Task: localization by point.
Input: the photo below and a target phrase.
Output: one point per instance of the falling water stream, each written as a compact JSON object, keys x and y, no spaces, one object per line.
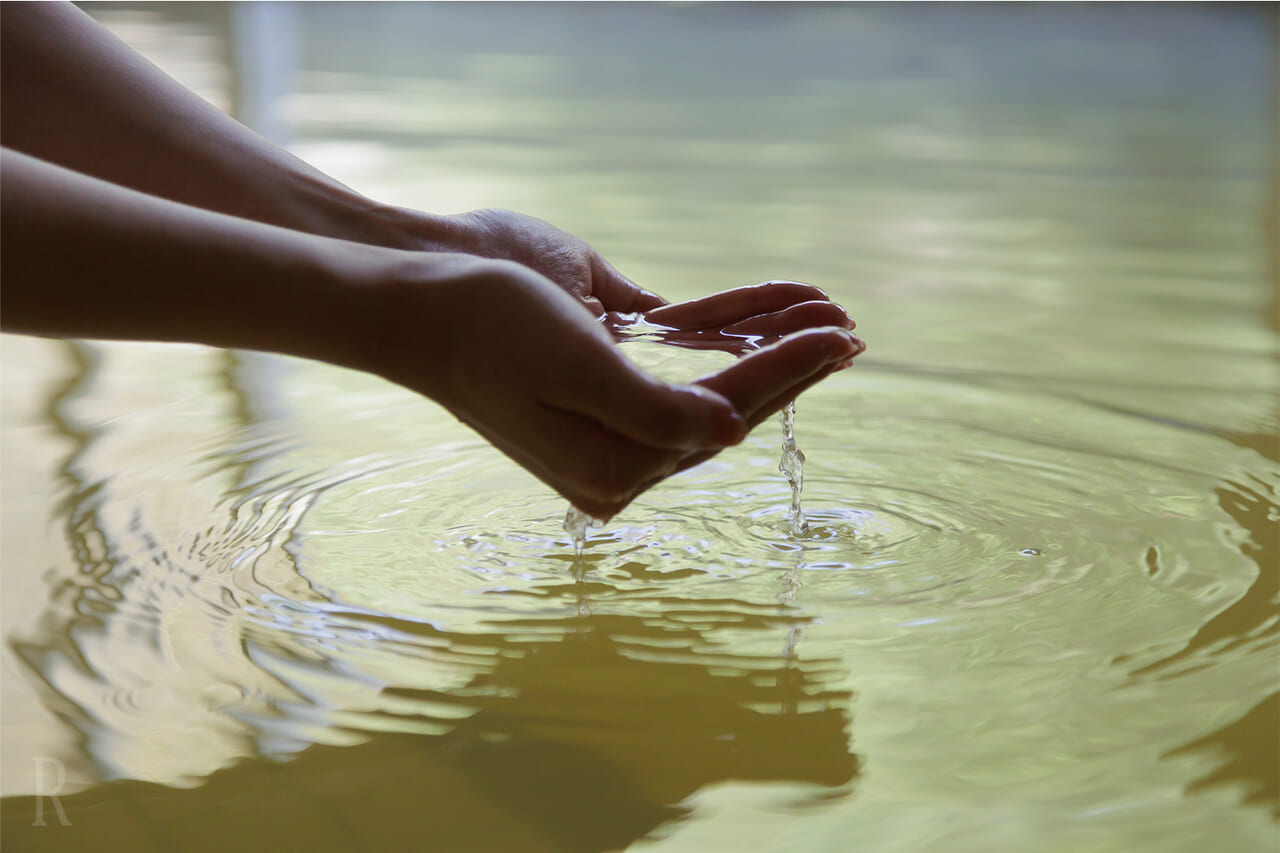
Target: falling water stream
{"x":791,"y":465}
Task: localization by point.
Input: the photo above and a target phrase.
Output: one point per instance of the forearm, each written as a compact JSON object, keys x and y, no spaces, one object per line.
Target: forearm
{"x":77,"y":96}
{"x":87,"y":258}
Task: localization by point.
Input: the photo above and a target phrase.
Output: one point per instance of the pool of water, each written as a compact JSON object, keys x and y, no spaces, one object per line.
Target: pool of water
{"x":259,"y":602}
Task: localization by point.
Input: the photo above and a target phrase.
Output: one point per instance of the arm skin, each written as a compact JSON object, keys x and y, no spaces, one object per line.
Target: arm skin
{"x":77,"y":96}
{"x":89,"y":258}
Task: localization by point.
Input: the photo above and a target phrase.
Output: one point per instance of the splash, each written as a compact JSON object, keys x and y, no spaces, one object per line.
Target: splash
{"x":576,"y":524}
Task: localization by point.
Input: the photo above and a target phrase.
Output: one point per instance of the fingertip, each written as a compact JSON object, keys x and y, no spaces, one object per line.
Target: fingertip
{"x":844,"y":342}
{"x":799,"y":287}
{"x":851,"y":346}
{"x":848,"y":362}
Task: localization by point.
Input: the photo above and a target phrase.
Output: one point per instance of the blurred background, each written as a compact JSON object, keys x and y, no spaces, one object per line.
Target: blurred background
{"x":255,"y":600}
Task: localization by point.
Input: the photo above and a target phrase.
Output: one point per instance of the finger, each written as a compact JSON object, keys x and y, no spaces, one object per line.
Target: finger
{"x":761,"y":413}
{"x":755,"y":382}
{"x":619,"y":395}
{"x":600,"y":471}
{"x":765,"y":410}
{"x":771,"y":407}
{"x":617,"y":292}
{"x":805,"y":315}
{"x":731,"y":306}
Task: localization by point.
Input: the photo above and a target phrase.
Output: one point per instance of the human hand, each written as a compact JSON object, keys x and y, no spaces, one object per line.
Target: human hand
{"x":513,"y":355}
{"x":733,"y":320}
{"x":558,"y":256}
{"x":737,"y":320}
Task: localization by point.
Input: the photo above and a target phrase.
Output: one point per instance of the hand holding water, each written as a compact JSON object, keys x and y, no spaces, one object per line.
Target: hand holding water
{"x":521,"y":363}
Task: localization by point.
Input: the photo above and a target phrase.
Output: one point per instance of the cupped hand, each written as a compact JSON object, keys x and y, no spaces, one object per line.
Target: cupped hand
{"x":515,"y":357}
{"x":734,"y":320}
{"x":738,"y":320}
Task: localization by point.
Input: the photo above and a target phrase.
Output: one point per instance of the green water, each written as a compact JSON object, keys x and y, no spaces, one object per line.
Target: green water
{"x":258,"y":602}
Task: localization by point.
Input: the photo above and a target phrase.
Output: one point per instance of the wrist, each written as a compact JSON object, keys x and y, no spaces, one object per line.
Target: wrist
{"x":488,"y":233}
{"x":415,"y":230}
{"x":403,"y":312}
{"x":333,"y":210}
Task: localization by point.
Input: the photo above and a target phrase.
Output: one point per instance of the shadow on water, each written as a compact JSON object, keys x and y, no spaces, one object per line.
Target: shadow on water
{"x":584,"y":741}
{"x":1251,"y":743}
{"x":585,"y":732}
{"x":1248,"y":747}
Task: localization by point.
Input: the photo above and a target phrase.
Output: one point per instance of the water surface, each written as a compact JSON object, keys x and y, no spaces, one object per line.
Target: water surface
{"x":257,"y":601}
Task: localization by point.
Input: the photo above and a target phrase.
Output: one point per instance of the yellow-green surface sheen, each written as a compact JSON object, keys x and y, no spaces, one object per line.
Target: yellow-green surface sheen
{"x":251,"y":602}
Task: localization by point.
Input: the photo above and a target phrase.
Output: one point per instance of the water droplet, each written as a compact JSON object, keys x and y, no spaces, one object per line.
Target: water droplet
{"x":576,"y":524}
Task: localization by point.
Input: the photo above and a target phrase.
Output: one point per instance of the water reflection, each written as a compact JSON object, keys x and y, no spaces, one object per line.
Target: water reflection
{"x":1042,"y":546}
{"x":586,"y":730}
{"x":1246,"y":749}
{"x":586,"y":741}
{"x":585,"y":733}
{"x":1255,"y":614}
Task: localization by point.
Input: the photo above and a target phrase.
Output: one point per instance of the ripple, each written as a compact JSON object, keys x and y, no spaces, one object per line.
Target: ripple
{"x":292,"y":592}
